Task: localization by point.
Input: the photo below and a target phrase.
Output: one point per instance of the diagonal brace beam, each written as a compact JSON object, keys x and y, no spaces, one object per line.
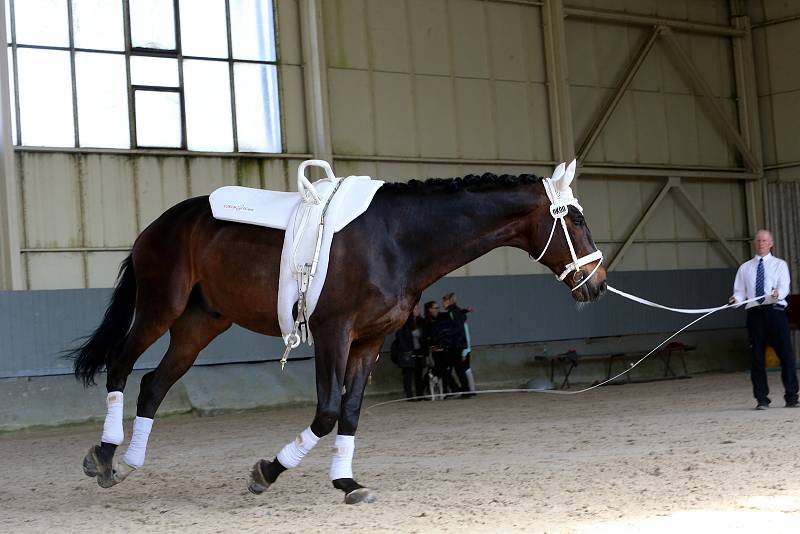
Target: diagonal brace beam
{"x":702,"y":86}
{"x":671,"y":182}
{"x":731,"y":255}
{"x":615,"y":99}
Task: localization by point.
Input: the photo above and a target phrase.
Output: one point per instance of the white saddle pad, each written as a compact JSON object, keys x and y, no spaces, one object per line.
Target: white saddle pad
{"x":272,"y":209}
{"x":276,"y":209}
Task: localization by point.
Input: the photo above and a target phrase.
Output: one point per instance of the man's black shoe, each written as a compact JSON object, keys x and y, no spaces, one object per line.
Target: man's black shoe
{"x":793,"y":404}
{"x":762,"y":407}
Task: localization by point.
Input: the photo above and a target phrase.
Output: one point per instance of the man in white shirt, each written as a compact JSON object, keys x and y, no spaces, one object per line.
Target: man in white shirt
{"x":768,"y":277}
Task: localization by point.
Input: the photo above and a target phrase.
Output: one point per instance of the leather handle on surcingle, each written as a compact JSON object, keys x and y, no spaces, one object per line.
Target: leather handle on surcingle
{"x":304,"y":186}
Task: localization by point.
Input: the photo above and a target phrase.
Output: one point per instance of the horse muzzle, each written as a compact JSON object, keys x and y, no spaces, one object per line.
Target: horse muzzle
{"x":590,"y":290}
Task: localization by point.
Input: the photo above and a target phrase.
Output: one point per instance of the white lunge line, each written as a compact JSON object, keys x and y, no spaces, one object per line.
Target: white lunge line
{"x":705,"y":311}
{"x":690,"y":311}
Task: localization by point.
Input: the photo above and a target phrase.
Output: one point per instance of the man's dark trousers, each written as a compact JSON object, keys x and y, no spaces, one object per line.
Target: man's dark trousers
{"x":767,"y":325}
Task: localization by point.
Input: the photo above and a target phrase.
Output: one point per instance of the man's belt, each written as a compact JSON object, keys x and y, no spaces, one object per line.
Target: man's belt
{"x":779,"y":307}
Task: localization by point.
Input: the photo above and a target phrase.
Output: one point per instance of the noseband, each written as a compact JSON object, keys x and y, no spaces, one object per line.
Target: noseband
{"x":558,"y":209}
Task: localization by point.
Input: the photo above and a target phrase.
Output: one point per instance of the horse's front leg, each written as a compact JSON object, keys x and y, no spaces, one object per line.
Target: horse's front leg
{"x":330,"y":358}
{"x":363,"y":356}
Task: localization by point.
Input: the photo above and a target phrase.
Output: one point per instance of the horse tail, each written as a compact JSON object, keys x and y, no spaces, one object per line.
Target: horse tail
{"x":100,"y":348}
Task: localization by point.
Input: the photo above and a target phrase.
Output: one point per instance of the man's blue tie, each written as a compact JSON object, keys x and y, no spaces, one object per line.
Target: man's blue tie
{"x":760,"y":280}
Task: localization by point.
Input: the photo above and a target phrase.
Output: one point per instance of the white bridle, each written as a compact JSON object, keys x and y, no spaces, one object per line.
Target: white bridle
{"x":561,"y":198}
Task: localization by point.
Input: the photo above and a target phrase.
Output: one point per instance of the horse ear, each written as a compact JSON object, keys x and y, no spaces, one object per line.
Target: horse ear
{"x":569,"y":176}
{"x":558,"y":173}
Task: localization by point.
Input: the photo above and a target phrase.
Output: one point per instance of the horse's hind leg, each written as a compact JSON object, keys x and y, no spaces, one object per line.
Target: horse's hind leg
{"x":190,"y":334}
{"x":363,"y":356}
{"x":154,"y":314}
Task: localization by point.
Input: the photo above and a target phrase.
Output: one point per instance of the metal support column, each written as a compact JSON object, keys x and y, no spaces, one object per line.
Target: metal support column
{"x":747,"y":103}
{"x":557,"y":81}
{"x":315,"y":79}
{"x":10,"y":258}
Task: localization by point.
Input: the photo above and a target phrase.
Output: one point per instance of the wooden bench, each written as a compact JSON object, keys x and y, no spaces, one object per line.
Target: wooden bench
{"x":568,"y":361}
{"x":665,"y":354}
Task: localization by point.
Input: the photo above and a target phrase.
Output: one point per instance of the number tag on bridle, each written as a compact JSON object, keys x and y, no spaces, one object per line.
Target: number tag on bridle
{"x":559,"y":210}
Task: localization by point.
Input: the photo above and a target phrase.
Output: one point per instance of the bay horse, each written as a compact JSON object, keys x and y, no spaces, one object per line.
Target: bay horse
{"x":194,"y":276}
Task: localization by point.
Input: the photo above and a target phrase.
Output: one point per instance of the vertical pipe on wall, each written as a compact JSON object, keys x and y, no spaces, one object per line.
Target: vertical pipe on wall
{"x":747,"y":105}
{"x":558,"y":90}
{"x":10,"y":258}
{"x":315,"y":79}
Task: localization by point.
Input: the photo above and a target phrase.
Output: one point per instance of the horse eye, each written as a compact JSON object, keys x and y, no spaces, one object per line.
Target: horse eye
{"x":578,"y":221}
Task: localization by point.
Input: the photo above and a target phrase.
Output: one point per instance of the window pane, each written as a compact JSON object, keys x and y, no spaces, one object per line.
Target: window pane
{"x":98,"y":24}
{"x":257,"y":114}
{"x":158,"y":71}
{"x":152,"y":24}
{"x":102,"y":100}
{"x":252,"y":30}
{"x":203,"y":30}
{"x":207,"y":92}
{"x":8,"y":21}
{"x":158,"y":119}
{"x":45,"y":97}
{"x":42,"y":22}
{"x":12,"y":97}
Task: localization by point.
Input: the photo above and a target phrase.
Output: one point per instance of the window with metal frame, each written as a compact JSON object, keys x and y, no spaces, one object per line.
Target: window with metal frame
{"x":198,"y":75}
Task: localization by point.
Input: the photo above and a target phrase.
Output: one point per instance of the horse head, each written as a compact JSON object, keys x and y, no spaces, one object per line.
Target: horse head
{"x":562,"y":237}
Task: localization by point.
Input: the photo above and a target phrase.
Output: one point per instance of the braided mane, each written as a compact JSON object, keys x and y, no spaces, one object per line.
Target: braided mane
{"x":470,"y":182}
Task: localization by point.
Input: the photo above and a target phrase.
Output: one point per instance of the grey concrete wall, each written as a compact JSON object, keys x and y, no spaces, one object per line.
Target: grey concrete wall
{"x":38,"y":325}
{"x":206,"y":390}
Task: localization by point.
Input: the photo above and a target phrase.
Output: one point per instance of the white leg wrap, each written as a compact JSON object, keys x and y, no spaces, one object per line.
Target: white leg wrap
{"x":134,"y":456}
{"x":342,"y":463}
{"x":112,"y":428}
{"x":293,"y":453}
{"x":470,"y":379}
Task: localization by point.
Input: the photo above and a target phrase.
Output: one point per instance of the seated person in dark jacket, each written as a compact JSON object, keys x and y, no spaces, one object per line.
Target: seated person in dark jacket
{"x":440,"y":333}
{"x":408,"y":353}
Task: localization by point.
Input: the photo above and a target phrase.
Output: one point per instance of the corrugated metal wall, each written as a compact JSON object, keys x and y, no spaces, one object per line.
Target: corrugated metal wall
{"x":423,"y":88}
{"x":82,"y":212}
{"x":783,"y":218}
{"x":775,"y":29}
{"x":462,"y":79}
{"x":420,"y":88}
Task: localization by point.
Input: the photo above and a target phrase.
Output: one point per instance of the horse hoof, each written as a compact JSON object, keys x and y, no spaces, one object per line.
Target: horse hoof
{"x":118,"y":474}
{"x":122,"y":470}
{"x":90,"y":464}
{"x":365,"y":495}
{"x":258,"y":482}
{"x":106,"y":482}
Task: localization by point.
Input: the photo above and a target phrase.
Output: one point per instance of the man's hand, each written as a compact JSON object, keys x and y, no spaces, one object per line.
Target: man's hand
{"x":732,"y":300}
{"x":775,"y":293}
